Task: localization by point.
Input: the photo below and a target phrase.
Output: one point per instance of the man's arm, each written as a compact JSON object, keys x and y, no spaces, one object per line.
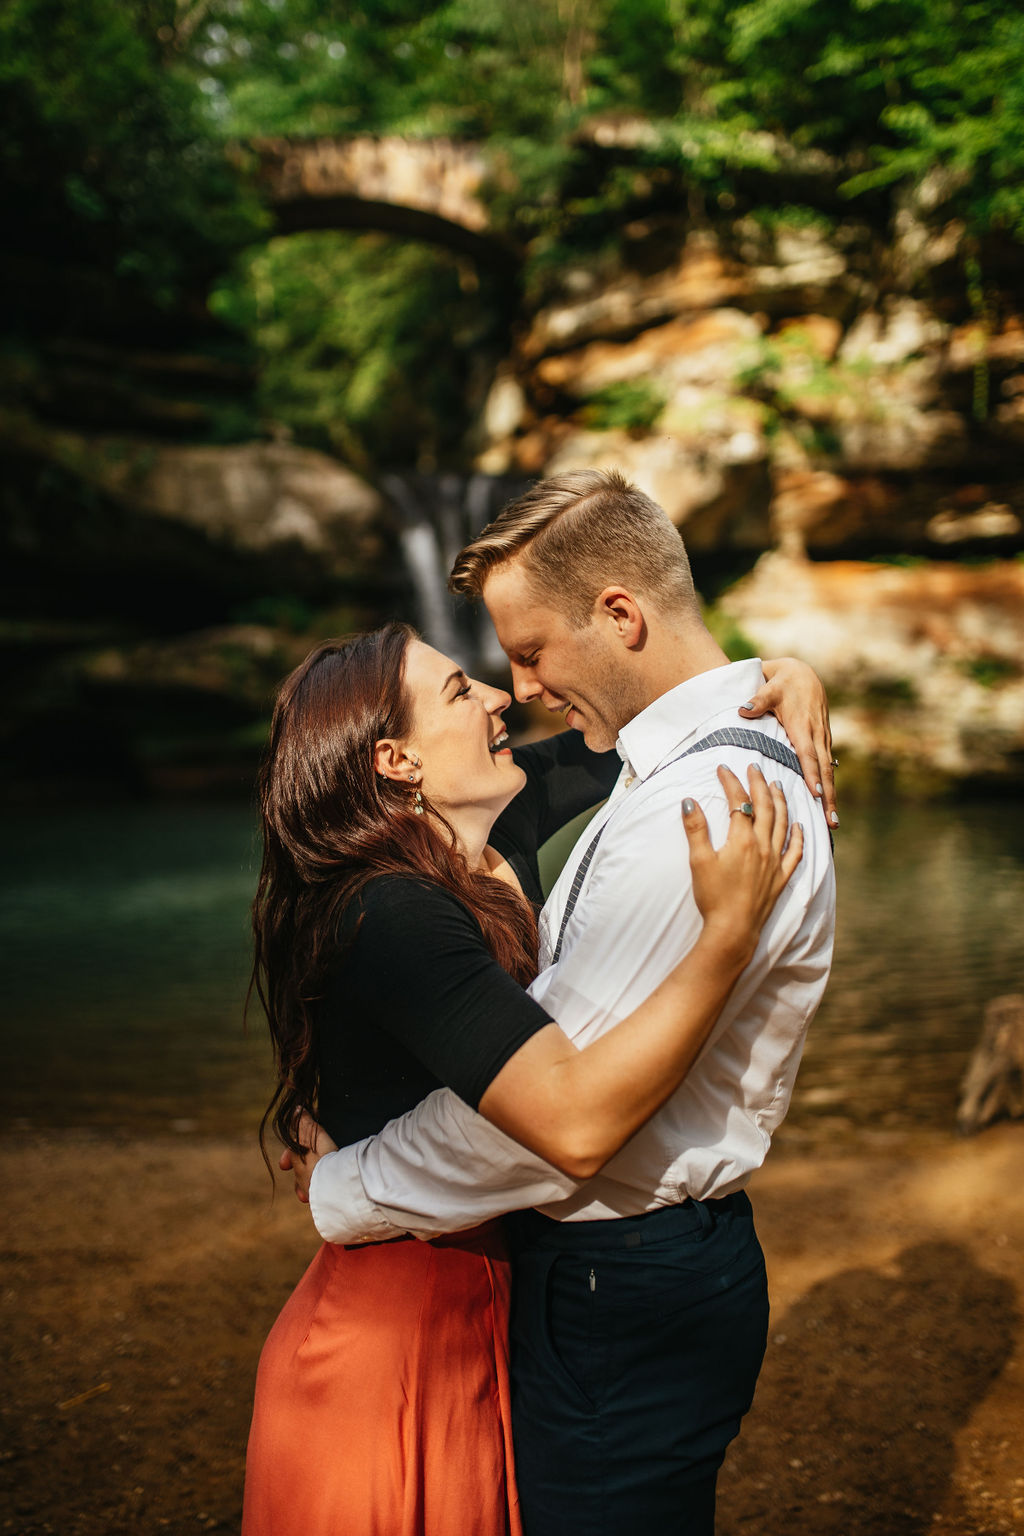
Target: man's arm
{"x":441,"y":1167}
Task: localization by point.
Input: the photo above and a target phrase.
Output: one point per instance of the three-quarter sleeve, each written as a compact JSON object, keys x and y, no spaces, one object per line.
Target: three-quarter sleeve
{"x":418,"y":972}
{"x":563,"y":779}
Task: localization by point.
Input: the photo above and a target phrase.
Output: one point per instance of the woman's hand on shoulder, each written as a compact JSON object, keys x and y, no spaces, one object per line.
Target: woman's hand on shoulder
{"x":795,"y":694}
{"x":736,"y":886}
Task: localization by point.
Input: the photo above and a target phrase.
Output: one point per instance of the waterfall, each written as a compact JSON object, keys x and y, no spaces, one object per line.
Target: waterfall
{"x":437,"y":515}
{"x":424,"y":561}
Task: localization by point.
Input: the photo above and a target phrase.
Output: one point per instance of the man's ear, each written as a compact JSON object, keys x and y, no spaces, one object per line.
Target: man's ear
{"x":392,"y":761}
{"x":618,"y":607}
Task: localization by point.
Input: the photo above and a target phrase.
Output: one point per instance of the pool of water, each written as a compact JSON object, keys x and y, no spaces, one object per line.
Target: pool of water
{"x":126,"y":937}
{"x":930,"y":927}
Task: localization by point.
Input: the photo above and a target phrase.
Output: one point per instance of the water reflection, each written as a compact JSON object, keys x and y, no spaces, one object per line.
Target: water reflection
{"x":929,"y":928}
{"x":126,"y":931}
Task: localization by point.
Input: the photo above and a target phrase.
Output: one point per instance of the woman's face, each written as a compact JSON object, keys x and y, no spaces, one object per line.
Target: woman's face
{"x":459,"y":735}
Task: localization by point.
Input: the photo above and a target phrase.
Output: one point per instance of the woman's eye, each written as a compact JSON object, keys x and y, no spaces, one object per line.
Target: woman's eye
{"x":460,"y":693}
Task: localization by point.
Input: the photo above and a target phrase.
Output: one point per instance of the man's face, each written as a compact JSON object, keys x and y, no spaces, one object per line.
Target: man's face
{"x":579,"y":673}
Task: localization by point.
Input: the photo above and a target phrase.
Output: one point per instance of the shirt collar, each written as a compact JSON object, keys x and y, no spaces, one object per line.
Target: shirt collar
{"x":678,"y":715}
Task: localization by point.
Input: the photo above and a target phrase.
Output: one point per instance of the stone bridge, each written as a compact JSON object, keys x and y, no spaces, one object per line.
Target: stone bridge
{"x":422,"y":189}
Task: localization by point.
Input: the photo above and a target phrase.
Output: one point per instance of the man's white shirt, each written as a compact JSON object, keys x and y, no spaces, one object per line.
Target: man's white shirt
{"x":442,"y":1168}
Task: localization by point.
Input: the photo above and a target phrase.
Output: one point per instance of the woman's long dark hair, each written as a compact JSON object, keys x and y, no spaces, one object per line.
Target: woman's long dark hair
{"x":330,"y":824}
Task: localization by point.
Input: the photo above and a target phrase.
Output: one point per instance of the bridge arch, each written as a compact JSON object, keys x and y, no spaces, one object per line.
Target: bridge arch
{"x":420,"y":189}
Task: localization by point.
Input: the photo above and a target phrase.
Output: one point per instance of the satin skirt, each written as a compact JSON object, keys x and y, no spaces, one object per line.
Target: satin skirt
{"x":382,"y":1398}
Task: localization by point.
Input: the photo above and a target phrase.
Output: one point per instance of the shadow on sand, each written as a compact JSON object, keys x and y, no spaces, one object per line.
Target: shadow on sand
{"x":868,"y":1379}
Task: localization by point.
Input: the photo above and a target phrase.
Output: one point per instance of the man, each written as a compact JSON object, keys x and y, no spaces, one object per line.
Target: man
{"x":641,"y":1305}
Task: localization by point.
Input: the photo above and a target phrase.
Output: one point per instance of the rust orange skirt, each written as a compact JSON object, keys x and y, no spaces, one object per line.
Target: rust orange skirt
{"x":382,"y":1398}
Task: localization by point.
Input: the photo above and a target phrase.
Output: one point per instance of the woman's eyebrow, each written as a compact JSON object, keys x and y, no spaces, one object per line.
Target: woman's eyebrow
{"x":452,"y":677}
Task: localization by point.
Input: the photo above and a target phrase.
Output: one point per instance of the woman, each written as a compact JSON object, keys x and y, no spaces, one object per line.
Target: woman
{"x":394,"y":938}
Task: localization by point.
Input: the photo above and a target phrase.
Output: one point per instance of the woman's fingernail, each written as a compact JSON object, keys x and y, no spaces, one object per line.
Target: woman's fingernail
{"x":687,"y":807}
{"x":750,"y":704}
{"x":776,"y":783}
{"x":818,"y":790}
{"x":834,"y":818}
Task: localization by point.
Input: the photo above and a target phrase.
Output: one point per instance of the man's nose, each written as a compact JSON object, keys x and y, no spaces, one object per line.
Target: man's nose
{"x":524,"y":684}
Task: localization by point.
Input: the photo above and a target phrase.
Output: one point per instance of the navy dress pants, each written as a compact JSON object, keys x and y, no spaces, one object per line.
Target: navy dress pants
{"x":636,"y":1345}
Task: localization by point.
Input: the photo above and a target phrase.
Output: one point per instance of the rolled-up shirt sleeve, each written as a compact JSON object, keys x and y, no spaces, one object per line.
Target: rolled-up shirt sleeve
{"x":439,"y":1168}
{"x":419,"y":973}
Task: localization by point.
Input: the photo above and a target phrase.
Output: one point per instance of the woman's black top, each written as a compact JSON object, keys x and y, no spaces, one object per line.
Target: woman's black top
{"x":416,"y":1000}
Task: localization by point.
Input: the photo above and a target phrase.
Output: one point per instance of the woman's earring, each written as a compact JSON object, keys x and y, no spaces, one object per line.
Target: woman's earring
{"x":417,"y":799}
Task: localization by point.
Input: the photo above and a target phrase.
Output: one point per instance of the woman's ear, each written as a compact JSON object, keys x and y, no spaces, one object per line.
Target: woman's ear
{"x":392,"y":761}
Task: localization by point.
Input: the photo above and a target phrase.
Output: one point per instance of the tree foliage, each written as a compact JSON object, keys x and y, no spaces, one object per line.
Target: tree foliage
{"x":892,"y":92}
{"x":596,"y":111}
{"x":107,"y":156}
{"x":369,"y":346}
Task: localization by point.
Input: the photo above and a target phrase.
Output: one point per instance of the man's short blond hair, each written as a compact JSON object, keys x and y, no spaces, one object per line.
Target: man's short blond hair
{"x":578,"y":533}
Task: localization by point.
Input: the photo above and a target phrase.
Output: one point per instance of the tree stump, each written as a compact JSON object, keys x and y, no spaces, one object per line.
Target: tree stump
{"x":993,"y":1085}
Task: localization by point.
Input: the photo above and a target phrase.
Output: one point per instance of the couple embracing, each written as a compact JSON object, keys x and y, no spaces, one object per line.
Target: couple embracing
{"x":611,"y":1073}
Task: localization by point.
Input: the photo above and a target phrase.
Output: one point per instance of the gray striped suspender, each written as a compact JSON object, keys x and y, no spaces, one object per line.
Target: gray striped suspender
{"x":728,"y":736}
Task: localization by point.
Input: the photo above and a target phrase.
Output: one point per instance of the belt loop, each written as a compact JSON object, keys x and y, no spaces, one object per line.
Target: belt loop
{"x":705,"y":1215}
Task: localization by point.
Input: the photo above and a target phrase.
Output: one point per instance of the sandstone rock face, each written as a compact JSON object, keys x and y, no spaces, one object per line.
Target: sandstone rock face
{"x":827,"y":514}
{"x":260,"y":516}
{"x":903,"y":328}
{"x":924,"y":662}
{"x":260,"y":497}
{"x":698,"y":351}
{"x":594,"y":307}
{"x":718,"y":499}
{"x":802,"y":261}
{"x":801,"y":391}
{"x":785,"y":364}
{"x":504,"y":408}
{"x":239,"y":663}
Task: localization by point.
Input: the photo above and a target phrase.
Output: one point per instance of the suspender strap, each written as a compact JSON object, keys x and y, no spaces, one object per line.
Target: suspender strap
{"x":755,"y":741}
{"x":728,"y":736}
{"x":574,"y":890}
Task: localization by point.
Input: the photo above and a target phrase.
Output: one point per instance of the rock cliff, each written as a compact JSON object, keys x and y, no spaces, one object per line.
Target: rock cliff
{"x":809,"y":398}
{"x":923,"y":662}
{"x":828,"y":418}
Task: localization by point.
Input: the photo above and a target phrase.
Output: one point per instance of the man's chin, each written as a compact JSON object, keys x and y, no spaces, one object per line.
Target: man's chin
{"x":595,"y":736}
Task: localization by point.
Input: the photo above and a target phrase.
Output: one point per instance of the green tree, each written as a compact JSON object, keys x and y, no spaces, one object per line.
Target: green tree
{"x":595,"y":112}
{"x":107,"y":156}
{"x":367,"y":346}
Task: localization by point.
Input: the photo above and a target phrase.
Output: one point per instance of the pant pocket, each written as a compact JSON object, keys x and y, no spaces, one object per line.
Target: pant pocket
{"x":555,"y":1326}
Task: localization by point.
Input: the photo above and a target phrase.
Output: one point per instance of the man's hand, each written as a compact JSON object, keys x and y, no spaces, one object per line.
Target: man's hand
{"x":307,"y":1134}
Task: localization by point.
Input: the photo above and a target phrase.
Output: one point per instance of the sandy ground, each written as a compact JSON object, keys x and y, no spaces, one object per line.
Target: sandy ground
{"x":138,"y":1282}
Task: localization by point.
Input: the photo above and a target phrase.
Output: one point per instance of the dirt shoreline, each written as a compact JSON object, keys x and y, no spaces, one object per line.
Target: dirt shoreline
{"x":139,"y":1280}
